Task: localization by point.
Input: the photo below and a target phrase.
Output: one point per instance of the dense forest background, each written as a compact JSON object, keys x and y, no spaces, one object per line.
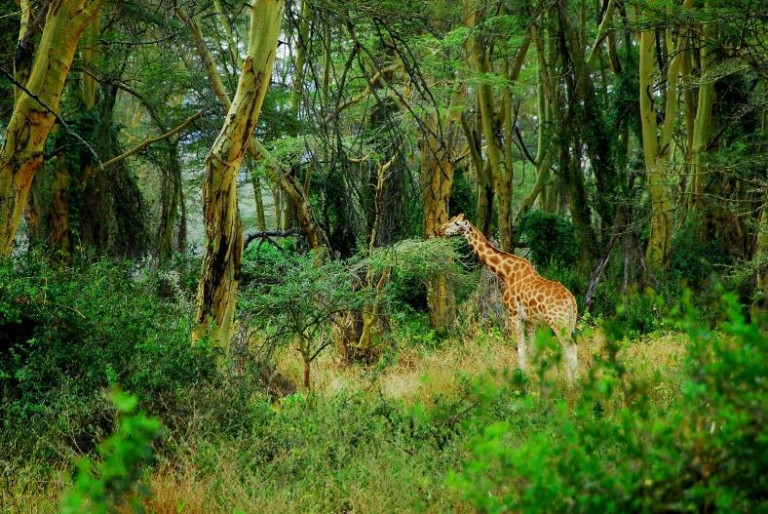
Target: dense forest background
{"x":220,"y":285}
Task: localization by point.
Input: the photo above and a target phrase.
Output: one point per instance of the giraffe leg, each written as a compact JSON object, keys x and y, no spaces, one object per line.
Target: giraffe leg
{"x":569,"y":353}
{"x":516,"y":330}
{"x":530,"y":335}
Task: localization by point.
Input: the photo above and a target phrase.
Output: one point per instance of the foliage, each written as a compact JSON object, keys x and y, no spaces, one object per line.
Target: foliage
{"x":66,"y":335}
{"x":296,"y":299}
{"x":102,"y":486}
{"x":414,"y":262}
{"x":694,"y":262}
{"x":550,"y":238}
{"x":462,"y":196}
{"x":705,"y":451}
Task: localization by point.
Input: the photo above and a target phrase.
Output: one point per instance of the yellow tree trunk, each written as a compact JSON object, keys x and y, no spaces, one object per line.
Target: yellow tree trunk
{"x":436,"y":182}
{"x":500,"y":159}
{"x":217,"y":291}
{"x":292,"y":190}
{"x":702,"y":123}
{"x":656,"y":148}
{"x":502,"y":182}
{"x":22,"y":152}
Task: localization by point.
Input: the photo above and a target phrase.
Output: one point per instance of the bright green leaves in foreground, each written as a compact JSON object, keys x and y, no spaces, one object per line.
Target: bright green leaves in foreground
{"x":706,"y":451}
{"x":102,"y":485}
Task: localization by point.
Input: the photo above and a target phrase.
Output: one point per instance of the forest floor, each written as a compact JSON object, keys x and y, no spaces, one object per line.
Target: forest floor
{"x":334,"y":450}
{"x":391,"y":477}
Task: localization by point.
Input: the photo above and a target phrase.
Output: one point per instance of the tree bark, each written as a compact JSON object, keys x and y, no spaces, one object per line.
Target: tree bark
{"x":502,"y":182}
{"x":656,"y":149}
{"x":702,"y":123}
{"x":22,"y":152}
{"x":220,"y":275}
{"x":436,"y":182}
{"x":293,"y":189}
{"x":761,"y":258}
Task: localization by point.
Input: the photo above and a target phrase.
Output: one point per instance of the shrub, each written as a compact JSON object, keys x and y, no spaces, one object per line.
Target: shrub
{"x":297,"y":301}
{"x":692,"y":261}
{"x":550,"y":238}
{"x":103,"y":485}
{"x":66,"y":335}
{"x":705,"y":452}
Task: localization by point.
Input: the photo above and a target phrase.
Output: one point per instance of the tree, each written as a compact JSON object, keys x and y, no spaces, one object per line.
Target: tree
{"x":656,"y":147}
{"x":35,"y":111}
{"x":220,"y":275}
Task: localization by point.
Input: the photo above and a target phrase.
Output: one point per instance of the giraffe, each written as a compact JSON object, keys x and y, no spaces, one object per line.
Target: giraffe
{"x":530,"y":299}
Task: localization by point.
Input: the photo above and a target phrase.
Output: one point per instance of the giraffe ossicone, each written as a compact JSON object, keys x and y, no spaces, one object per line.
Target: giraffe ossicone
{"x":531,"y":300}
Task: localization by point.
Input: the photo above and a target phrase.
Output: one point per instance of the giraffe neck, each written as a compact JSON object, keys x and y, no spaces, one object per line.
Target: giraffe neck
{"x":501,"y":263}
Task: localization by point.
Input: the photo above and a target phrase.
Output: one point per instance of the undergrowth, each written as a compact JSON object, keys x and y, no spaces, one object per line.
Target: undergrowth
{"x":439,"y":424}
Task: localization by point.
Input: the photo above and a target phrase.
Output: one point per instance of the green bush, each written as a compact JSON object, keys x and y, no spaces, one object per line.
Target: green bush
{"x":102,"y":486}
{"x":550,"y":238}
{"x":694,"y":262}
{"x":706,"y":452}
{"x":66,"y":335}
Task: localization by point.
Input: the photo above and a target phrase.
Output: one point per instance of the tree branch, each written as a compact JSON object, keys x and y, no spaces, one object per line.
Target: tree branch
{"x":58,"y":118}
{"x":265,"y":234}
{"x":153,"y":140}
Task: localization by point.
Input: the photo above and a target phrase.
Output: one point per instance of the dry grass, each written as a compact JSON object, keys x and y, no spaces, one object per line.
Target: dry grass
{"x":417,"y":376}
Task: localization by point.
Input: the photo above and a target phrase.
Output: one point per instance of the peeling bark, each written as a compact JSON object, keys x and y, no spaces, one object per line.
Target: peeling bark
{"x":22,"y":152}
{"x":220,"y":275}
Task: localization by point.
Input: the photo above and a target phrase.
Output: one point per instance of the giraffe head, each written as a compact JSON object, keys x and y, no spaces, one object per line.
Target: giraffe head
{"x":454,"y":227}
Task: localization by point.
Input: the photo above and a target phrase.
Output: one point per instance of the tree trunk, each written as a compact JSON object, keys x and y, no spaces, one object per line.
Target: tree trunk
{"x":761,"y":258}
{"x":170,"y":201}
{"x":293,"y":189}
{"x":220,"y":273}
{"x":500,"y":175}
{"x":484,"y":186}
{"x":656,"y":149}
{"x":436,"y":182}
{"x":588,"y":119}
{"x":702,"y":124}
{"x":261,"y":217}
{"x":22,"y":152}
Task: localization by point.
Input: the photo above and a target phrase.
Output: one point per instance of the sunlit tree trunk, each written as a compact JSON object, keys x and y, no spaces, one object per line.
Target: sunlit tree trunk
{"x":292,"y":189}
{"x":220,"y":273}
{"x":656,"y":148}
{"x":436,"y":181}
{"x":22,"y":152}
{"x":702,"y":123}
{"x":22,"y":61}
{"x":500,"y":175}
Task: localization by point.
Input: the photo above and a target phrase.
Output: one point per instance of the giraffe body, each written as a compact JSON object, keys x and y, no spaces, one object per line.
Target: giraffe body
{"x":531,"y":300}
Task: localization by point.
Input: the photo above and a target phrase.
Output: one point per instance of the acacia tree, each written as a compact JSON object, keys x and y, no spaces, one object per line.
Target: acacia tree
{"x":276,"y":171}
{"x":656,"y":147}
{"x":217,"y":291}
{"x":35,"y":111}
